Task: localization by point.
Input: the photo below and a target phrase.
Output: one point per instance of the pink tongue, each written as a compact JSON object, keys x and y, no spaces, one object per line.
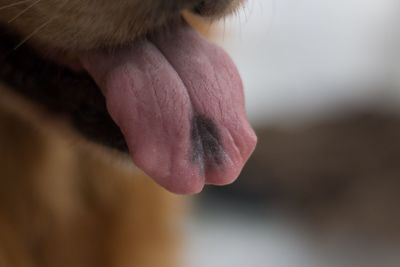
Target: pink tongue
{"x":179,"y":103}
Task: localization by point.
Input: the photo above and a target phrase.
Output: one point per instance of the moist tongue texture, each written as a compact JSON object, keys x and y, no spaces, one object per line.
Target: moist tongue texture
{"x":179,"y":103}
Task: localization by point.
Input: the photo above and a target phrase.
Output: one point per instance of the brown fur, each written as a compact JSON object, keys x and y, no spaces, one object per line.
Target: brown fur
{"x":63,"y":205}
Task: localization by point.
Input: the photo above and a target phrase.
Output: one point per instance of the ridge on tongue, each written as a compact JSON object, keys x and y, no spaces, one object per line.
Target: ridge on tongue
{"x":179,"y":103}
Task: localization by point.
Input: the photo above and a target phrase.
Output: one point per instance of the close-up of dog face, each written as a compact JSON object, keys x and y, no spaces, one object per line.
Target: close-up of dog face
{"x":172,"y":99}
{"x":116,"y":114}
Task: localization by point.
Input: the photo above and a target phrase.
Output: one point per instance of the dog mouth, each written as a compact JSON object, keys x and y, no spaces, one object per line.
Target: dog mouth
{"x":178,"y":102}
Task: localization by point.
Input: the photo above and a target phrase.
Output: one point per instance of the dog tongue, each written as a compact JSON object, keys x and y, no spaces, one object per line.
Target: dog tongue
{"x":179,"y":103}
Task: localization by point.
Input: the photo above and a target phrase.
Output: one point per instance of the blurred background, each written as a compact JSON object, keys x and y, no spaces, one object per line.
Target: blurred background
{"x":323,"y":93}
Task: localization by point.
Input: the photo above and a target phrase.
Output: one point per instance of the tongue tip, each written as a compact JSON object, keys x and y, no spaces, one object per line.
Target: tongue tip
{"x":192,"y":187}
{"x":185,"y":177}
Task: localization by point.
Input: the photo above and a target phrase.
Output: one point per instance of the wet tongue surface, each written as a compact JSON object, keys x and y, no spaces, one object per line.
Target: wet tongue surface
{"x":179,"y":103}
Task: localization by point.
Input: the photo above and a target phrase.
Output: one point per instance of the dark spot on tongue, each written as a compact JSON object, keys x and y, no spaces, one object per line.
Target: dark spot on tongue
{"x":207,"y":147}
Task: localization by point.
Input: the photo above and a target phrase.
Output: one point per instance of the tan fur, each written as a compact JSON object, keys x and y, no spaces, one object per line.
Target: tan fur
{"x":62,"y":201}
{"x":63,"y":205}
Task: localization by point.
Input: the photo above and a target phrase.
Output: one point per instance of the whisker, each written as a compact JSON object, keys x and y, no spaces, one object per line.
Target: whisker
{"x":14,"y":4}
{"x":38,"y":29}
{"x":41,"y":27}
{"x":23,"y":11}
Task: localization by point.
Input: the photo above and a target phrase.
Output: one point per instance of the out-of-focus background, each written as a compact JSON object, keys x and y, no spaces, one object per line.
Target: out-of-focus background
{"x":323,"y":187}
